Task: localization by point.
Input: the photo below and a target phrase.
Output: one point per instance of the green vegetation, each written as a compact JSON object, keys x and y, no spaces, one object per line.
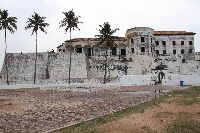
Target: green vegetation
{"x":147,"y":129}
{"x":184,"y":126}
{"x":162,"y":114}
{"x":187,"y":97}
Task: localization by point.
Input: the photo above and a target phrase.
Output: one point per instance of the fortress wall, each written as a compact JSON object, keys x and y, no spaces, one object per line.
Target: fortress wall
{"x":187,"y":68}
{"x":115,"y":68}
{"x":51,"y":67}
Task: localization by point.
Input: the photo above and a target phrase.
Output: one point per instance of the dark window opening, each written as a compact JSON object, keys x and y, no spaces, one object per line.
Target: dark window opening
{"x":142,"y":39}
{"x":174,"y":51}
{"x":79,"y":50}
{"x":183,"y":60}
{"x":114,"y":51}
{"x":190,"y":43}
{"x":60,"y":50}
{"x":174,"y":42}
{"x":164,"y":52}
{"x":157,"y":51}
{"x":157,"y":43}
{"x":190,"y":50}
{"x":164,"y":43}
{"x":142,"y":49}
{"x":182,"y":51}
{"x":63,"y":50}
{"x":89,"y":51}
{"x":151,"y":40}
{"x":123,"y":51}
{"x":131,"y":40}
{"x":132,"y":49}
{"x":182,"y":42}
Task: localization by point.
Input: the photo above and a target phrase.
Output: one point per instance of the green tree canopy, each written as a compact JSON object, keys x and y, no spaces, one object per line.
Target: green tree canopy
{"x":70,"y":21}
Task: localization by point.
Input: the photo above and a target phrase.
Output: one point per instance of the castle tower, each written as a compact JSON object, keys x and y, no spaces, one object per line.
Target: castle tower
{"x":140,"y":42}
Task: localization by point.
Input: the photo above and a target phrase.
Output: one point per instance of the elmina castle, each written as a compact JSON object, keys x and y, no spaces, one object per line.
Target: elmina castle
{"x":142,"y":57}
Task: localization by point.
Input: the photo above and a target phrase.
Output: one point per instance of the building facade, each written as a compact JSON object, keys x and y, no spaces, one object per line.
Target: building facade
{"x":143,"y":52}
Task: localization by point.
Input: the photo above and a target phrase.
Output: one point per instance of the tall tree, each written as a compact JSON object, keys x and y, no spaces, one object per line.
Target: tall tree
{"x":70,"y":21}
{"x":9,"y":23}
{"x":106,"y":39}
{"x":36,"y":22}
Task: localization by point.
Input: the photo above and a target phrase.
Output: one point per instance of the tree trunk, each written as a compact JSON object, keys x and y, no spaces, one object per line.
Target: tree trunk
{"x":70,"y":59}
{"x":6,"y":60}
{"x":104,"y":78}
{"x":35,"y":59}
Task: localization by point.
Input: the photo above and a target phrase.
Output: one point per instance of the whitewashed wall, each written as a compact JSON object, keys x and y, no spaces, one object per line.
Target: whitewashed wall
{"x":137,"y":80}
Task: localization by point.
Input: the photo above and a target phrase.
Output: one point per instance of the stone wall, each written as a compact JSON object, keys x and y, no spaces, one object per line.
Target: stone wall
{"x":51,"y":67}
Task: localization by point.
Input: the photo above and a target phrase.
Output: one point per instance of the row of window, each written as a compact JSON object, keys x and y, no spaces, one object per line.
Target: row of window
{"x":173,"y":42}
{"x":174,"y":51}
{"x":163,"y":42}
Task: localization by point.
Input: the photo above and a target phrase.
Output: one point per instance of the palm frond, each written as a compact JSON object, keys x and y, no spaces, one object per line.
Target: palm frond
{"x":70,"y":21}
{"x":36,"y":22}
{"x":7,"y":22}
{"x":106,"y":35}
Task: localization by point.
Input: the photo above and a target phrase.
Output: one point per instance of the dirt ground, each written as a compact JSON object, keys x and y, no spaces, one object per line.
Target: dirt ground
{"x":42,"y":110}
{"x":156,"y":118}
{"x":34,"y":110}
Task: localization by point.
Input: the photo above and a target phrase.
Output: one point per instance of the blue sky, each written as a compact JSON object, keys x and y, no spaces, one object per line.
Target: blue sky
{"x":124,"y":14}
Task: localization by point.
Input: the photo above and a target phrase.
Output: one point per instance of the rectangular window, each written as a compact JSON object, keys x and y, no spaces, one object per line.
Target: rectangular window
{"x":164,"y":52}
{"x":142,"y":49}
{"x":174,"y":42}
{"x":79,"y":50}
{"x":182,"y":42}
{"x":183,"y":60}
{"x":164,"y":43}
{"x":60,"y":50}
{"x":63,"y":50}
{"x":157,"y":51}
{"x":174,"y":51}
{"x":151,"y":40}
{"x":157,"y":43}
{"x":142,"y":39}
{"x":132,"y":40}
{"x":132,"y":49}
{"x":182,"y":51}
{"x":190,"y":43}
{"x":123,"y":51}
{"x":190,"y":50}
{"x":114,"y":51}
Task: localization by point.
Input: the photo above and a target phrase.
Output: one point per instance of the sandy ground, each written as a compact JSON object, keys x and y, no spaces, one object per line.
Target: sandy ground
{"x":157,"y":118}
{"x":34,"y":110}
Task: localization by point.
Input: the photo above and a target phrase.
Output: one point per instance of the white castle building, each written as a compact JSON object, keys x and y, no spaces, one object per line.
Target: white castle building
{"x":142,"y":57}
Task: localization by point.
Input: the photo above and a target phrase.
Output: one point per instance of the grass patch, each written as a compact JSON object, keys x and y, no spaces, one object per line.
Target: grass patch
{"x":184,"y":126}
{"x":188,"y":97}
{"x":184,"y":115}
{"x":198,"y":113}
{"x":148,"y":129}
{"x":162,"y":114}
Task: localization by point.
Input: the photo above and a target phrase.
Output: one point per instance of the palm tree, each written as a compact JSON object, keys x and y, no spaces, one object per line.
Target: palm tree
{"x":9,"y":23}
{"x":36,"y":22}
{"x":107,"y":40}
{"x":70,"y":22}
